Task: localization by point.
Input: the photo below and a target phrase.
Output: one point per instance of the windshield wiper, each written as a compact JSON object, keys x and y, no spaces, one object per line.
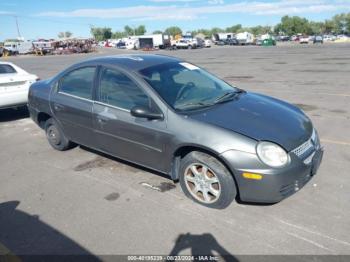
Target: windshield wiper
{"x":194,"y":105}
{"x":227,"y":96}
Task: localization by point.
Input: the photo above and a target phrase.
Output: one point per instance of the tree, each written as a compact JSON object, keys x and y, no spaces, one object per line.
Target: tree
{"x":157,"y":32}
{"x":293,"y":25}
{"x":233,"y":29}
{"x":129,"y":30}
{"x":101,"y":33}
{"x":341,"y":23}
{"x":140,"y":30}
{"x":118,"y":35}
{"x":173,"y":31}
{"x":66,"y":34}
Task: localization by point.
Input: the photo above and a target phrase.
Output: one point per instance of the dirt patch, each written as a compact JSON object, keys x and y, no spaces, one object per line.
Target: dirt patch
{"x":306,"y":107}
{"x":162,"y":187}
{"x":95,"y":163}
{"x":332,"y":58}
{"x":112,"y":196}
{"x":166,"y":186}
{"x":339,"y":111}
{"x":235,"y":78}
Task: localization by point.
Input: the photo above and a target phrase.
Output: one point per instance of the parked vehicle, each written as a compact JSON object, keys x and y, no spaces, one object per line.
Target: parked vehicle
{"x":120,"y":45}
{"x":231,"y":41}
{"x":132,"y":43}
{"x":161,"y":112}
{"x":19,"y":47}
{"x":245,"y":38}
{"x":328,"y":38}
{"x":318,"y":39}
{"x":44,"y":46}
{"x":207,"y":43}
{"x":184,"y":44}
{"x":222,"y":36}
{"x":14,"y":85}
{"x":304,"y":40}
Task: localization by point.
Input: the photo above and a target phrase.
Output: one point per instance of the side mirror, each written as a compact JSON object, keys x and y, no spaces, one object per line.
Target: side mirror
{"x":145,"y":112}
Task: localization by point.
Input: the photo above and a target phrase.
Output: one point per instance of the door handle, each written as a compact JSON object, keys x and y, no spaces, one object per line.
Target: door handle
{"x":58,"y":107}
{"x":102,"y":119}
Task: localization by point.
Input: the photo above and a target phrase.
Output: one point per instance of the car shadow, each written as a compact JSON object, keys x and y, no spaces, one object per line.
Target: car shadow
{"x":24,"y":237}
{"x":124,"y":162}
{"x":13,"y":114}
{"x":201,"y":246}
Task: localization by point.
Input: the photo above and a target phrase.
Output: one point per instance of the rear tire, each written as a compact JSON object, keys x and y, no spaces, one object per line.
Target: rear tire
{"x":205,"y":180}
{"x":56,"y":137}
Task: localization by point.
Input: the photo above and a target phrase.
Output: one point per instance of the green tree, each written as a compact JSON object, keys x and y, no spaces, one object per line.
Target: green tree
{"x":118,"y":35}
{"x":129,"y":30}
{"x":66,"y":34}
{"x":233,"y":29}
{"x":293,"y":25}
{"x":140,"y":30}
{"x":341,"y":23}
{"x":157,"y":32}
{"x":173,"y":31}
{"x":101,"y":33}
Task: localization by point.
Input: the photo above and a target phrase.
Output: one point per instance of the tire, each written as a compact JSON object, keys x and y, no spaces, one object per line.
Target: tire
{"x":218,"y":183}
{"x":56,"y":137}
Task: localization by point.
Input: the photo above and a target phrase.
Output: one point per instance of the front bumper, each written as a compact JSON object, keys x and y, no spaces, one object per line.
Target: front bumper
{"x":276,"y":183}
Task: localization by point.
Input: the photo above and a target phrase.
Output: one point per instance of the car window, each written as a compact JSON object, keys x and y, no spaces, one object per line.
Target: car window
{"x":78,"y":82}
{"x":118,"y":90}
{"x":7,"y":69}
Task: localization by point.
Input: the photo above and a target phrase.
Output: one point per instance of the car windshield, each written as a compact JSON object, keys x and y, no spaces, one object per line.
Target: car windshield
{"x":185,"y":86}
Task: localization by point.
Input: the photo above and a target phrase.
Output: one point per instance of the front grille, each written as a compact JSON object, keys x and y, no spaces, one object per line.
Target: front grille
{"x":15,"y":83}
{"x":306,"y":150}
{"x":303,"y":148}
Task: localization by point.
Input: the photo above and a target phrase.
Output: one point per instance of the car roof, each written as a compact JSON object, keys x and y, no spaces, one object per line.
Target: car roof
{"x":5,"y":63}
{"x":134,"y":62}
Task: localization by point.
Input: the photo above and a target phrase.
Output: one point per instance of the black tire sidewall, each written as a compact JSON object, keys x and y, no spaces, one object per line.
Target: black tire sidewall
{"x":64,"y":143}
{"x":227,"y":183}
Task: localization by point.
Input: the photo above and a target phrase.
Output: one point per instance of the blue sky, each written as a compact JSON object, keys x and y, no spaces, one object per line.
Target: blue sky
{"x":45,"y":18}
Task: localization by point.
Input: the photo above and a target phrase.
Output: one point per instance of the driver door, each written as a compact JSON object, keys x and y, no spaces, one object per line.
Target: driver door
{"x":138,"y":140}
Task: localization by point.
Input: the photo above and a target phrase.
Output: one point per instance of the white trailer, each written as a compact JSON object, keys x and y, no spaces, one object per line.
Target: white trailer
{"x":245,"y":38}
{"x":222,"y":36}
{"x":19,"y":47}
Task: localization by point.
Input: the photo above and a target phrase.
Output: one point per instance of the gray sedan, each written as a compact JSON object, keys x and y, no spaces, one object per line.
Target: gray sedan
{"x":163,"y":113}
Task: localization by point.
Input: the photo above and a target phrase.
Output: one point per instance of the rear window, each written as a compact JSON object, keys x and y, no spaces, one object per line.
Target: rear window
{"x":7,"y":69}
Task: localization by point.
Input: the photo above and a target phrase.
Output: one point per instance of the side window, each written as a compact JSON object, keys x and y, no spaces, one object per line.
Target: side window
{"x":118,"y":90}
{"x":78,"y":82}
{"x":7,"y":69}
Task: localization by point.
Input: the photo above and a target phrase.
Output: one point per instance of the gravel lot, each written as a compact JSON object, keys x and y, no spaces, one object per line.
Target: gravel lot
{"x":81,"y":202}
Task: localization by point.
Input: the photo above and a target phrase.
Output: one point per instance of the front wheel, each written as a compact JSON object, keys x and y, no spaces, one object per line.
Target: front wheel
{"x":204,"y":179}
{"x":56,"y":137}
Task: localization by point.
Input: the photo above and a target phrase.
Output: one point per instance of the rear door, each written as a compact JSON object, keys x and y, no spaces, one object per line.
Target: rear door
{"x":119,"y":133}
{"x":71,"y":104}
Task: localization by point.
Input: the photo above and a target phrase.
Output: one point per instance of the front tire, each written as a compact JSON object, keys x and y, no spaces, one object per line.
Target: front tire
{"x":56,"y":137}
{"x":205,"y":180}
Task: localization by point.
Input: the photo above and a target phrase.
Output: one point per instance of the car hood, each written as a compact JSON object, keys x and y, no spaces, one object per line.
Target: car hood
{"x":261,"y":118}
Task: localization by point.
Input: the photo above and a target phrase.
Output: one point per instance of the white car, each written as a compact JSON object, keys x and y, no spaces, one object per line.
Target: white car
{"x":14,"y":85}
{"x":207,"y":43}
{"x":304,"y":40}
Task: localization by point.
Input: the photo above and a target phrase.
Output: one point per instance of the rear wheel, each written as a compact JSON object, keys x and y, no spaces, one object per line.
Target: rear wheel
{"x":204,"y":179}
{"x":56,"y":137}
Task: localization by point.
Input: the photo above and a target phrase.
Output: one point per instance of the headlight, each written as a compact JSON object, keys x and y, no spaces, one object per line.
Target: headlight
{"x":272,"y":154}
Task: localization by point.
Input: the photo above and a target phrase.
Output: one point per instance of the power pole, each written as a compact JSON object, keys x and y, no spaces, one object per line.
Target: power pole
{"x":18,"y":32}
